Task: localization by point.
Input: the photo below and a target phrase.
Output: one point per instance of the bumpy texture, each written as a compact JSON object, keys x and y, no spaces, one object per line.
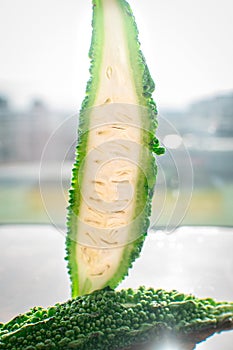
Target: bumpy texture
{"x":111,"y":320}
{"x":144,"y":86}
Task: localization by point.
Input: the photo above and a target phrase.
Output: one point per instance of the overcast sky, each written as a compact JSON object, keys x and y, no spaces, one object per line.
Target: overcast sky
{"x":44,"y":47}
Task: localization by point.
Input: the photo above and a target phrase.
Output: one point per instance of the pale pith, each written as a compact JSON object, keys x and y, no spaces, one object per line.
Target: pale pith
{"x":111,"y":164}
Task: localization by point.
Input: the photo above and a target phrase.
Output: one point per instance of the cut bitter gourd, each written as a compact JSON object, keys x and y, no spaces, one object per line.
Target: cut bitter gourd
{"x":114,"y":173}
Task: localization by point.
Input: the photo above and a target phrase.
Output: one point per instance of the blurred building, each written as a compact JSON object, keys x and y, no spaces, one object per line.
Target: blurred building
{"x":207,"y":117}
{"x":25,"y":133}
{"x":206,"y":128}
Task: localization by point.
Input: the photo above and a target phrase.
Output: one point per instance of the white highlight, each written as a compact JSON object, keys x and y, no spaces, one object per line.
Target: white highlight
{"x":172,"y":141}
{"x":167,"y":346}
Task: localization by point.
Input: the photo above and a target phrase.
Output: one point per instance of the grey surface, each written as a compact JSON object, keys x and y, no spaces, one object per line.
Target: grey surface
{"x":32,"y":269}
{"x":193,"y":260}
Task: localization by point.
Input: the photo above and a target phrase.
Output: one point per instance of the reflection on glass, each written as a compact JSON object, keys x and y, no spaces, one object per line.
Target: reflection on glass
{"x":38,"y":145}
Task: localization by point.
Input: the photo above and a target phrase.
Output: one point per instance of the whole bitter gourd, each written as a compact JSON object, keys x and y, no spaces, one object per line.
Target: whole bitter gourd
{"x":108,"y":319}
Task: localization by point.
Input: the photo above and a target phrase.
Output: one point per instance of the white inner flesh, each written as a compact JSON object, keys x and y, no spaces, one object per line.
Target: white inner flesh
{"x":111,"y":165}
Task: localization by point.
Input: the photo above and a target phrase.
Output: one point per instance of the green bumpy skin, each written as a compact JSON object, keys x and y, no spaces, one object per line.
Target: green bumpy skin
{"x":112,"y":320}
{"x":107,"y":224}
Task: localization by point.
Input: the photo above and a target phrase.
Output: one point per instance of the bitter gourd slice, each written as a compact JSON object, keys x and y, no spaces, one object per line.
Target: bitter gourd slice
{"x":114,"y":173}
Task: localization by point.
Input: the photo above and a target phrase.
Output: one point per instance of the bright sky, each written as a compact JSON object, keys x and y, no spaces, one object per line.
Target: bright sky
{"x":44,"y":47}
